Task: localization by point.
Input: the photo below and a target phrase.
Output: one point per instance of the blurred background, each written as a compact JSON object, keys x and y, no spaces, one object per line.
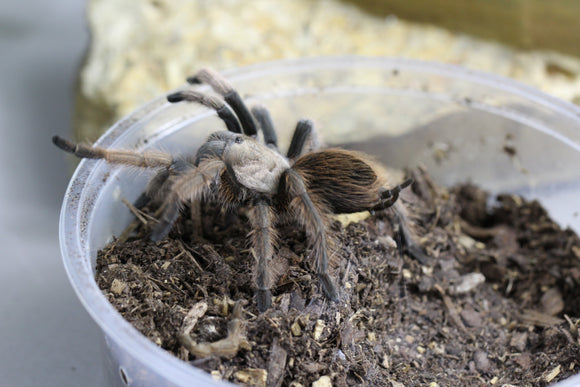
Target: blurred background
{"x":73,"y":67}
{"x":47,"y":339}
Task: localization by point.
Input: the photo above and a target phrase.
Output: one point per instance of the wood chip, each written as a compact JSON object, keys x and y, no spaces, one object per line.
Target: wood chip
{"x":386,"y":362}
{"x":253,"y":376}
{"x":552,"y":302}
{"x":118,"y":286}
{"x":524,"y":360}
{"x":467,"y":283}
{"x":482,"y":363}
{"x":318,"y":329}
{"x":471,"y":318}
{"x":550,"y":375}
{"x":323,"y":381}
{"x":296,"y":328}
{"x":519,"y":341}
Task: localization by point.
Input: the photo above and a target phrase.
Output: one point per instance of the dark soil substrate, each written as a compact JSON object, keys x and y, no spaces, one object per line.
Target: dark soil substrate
{"x":398,"y":321}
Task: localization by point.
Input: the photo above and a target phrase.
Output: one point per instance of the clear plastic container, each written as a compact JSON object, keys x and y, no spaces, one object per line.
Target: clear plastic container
{"x":461,"y":125}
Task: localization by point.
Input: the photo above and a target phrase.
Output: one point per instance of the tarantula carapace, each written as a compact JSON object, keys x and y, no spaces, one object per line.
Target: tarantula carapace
{"x":235,"y":169}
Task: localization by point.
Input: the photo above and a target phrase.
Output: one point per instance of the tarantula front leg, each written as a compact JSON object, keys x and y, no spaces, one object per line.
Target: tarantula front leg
{"x":154,"y":187}
{"x":146,"y":159}
{"x":189,"y":187}
{"x":158,"y":185}
{"x":221,"y":86}
{"x":262,"y":236}
{"x":309,"y":215}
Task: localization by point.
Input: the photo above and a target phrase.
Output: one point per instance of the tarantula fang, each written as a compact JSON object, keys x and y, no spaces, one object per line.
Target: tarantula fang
{"x":235,"y":169}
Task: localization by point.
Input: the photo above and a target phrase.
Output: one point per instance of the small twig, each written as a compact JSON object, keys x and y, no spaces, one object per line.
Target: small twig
{"x":141,"y":220}
{"x":179,"y":255}
{"x":135,"y":211}
{"x":573,"y":326}
{"x":128,"y":231}
{"x":165,"y":285}
{"x":478,"y":232}
{"x":189,"y":255}
{"x":436,"y":220}
{"x":451,"y":308}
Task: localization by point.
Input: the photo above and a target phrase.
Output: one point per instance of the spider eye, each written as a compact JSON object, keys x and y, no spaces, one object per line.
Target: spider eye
{"x":239,"y":140}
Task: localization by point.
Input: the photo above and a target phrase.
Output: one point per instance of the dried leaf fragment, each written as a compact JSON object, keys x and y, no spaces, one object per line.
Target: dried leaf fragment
{"x":227,"y":347}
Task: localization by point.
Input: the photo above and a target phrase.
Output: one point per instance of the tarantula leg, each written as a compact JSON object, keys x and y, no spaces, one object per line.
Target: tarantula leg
{"x":302,"y":134}
{"x":153,"y":187}
{"x":408,"y":242}
{"x":168,"y":217}
{"x":262,"y":115}
{"x":221,"y":86}
{"x":262,"y":236}
{"x":309,"y":215}
{"x":189,"y":187}
{"x":156,"y":185}
{"x":390,"y":196}
{"x":389,"y":200}
{"x":146,"y":159}
{"x":222,"y":110}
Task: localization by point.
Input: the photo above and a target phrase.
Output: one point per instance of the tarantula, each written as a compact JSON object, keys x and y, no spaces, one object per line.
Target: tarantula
{"x":235,"y":169}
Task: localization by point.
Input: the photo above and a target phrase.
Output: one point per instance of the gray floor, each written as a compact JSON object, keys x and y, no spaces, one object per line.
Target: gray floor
{"x":46,"y":337}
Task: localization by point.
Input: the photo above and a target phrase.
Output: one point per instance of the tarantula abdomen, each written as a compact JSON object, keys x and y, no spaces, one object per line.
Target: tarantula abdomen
{"x":345,"y":180}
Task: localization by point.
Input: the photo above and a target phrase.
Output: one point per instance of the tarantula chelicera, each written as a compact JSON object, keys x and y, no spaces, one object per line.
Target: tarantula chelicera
{"x":235,"y":169}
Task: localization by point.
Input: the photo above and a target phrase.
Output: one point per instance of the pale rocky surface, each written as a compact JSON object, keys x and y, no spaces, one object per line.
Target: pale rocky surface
{"x":141,"y":50}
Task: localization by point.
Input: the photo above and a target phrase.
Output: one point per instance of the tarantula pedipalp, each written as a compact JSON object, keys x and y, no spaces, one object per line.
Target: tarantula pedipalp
{"x":235,"y":169}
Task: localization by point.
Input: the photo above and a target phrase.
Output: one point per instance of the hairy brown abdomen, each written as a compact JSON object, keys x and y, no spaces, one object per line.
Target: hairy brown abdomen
{"x":344,"y":180}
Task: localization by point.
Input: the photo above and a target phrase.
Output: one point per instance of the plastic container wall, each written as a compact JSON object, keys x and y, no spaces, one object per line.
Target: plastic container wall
{"x":460,"y":125}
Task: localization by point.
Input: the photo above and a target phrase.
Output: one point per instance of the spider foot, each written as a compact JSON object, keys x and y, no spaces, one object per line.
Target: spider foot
{"x":263,"y":299}
{"x":394,"y":192}
{"x":328,"y":287}
{"x":63,"y":144}
{"x":161,"y":230}
{"x":416,"y":252}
